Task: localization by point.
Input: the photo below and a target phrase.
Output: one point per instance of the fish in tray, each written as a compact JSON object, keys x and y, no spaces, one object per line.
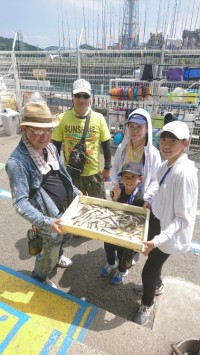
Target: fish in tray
{"x":103,"y":219}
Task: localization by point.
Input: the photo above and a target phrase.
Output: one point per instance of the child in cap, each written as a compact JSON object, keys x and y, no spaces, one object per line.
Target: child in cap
{"x":131,"y":175}
{"x":174,"y":204}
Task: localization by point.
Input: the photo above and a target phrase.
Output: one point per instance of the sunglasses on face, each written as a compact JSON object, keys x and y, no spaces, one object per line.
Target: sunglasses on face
{"x":40,"y":132}
{"x":83,"y":96}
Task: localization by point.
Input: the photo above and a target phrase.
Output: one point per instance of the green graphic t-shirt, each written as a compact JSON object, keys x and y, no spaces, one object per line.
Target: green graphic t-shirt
{"x":70,"y":131}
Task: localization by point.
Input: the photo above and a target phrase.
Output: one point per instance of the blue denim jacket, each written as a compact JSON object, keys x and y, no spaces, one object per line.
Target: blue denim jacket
{"x":25,"y":178}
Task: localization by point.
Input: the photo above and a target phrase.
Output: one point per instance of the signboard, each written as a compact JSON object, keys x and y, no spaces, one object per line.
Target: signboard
{"x":39,"y":73}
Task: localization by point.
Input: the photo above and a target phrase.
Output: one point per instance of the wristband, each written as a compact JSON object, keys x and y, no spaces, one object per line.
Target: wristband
{"x":107,"y":166}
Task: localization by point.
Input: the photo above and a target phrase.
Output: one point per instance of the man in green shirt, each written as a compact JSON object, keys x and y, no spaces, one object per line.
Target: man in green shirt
{"x":69,"y":132}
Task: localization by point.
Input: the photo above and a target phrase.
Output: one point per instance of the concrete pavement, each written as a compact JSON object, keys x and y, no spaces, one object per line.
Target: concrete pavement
{"x":176,"y":314}
{"x":38,"y":319}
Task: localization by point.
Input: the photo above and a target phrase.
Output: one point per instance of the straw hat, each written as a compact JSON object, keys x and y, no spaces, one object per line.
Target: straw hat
{"x":37,"y":114}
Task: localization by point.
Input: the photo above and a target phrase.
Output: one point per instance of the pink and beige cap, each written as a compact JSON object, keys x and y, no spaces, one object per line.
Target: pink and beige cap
{"x":81,"y":85}
{"x":37,"y":114}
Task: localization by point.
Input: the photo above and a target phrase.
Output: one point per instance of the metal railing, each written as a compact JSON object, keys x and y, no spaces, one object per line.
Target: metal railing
{"x":52,"y":74}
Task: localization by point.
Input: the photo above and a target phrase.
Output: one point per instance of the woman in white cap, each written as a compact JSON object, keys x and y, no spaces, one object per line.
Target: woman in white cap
{"x":40,"y":185}
{"x":137,"y":147}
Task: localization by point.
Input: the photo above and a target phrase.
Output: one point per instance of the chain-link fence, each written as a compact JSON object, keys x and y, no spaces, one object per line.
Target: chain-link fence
{"x":52,"y":74}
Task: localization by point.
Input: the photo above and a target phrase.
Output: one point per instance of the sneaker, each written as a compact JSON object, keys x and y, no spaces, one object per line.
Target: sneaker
{"x":135,"y":258}
{"x":106,"y":270}
{"x":64,"y":262}
{"x":118,"y":278}
{"x":142,"y":315}
{"x":139,"y":290}
{"x":50,"y":283}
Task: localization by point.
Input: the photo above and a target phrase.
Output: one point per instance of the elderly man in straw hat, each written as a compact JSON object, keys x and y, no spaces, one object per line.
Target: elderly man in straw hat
{"x":40,"y":185}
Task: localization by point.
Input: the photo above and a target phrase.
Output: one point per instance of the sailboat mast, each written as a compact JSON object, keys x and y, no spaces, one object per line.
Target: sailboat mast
{"x":158,"y":17}
{"x":93,"y":23}
{"x":166,"y":21}
{"x":145,"y":22}
{"x":195,"y":25}
{"x":63,"y":32}
{"x":88,"y":29}
{"x":84,"y":20}
{"x":187,"y":12}
{"x":97,"y":45}
{"x":173,"y":21}
{"x":192,"y":16}
{"x":58,"y":17}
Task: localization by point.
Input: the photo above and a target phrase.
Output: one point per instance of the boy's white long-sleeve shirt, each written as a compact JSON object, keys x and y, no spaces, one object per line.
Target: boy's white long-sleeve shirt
{"x":175,"y":205}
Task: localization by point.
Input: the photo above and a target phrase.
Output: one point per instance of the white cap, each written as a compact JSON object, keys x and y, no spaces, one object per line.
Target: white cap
{"x":177,"y":128}
{"x":81,"y":85}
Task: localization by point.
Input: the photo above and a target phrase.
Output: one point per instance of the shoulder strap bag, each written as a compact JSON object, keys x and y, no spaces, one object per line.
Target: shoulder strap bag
{"x":77,"y":156}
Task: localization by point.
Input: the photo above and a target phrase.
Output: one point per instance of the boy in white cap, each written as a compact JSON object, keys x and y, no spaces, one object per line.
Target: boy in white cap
{"x":41,"y":187}
{"x":70,"y":131}
{"x":174,"y":204}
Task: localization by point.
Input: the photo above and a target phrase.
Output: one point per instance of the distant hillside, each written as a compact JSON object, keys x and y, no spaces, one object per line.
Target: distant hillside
{"x":6,"y":45}
{"x":52,"y":48}
{"x":87,"y":47}
{"x":82,"y":46}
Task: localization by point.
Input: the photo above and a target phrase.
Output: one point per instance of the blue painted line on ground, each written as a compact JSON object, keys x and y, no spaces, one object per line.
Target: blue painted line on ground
{"x":73,"y":327}
{"x":83,"y":306}
{"x":55,"y":335}
{"x":63,"y":294}
{"x":89,"y":319}
{"x":65,"y":346}
{"x":195,"y":246}
{"x":22,"y":318}
{"x":5,"y":194}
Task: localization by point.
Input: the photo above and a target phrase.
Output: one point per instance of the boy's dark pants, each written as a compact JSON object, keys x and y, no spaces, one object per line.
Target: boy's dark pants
{"x":154,"y":229}
{"x":151,"y":275}
{"x":110,"y":252}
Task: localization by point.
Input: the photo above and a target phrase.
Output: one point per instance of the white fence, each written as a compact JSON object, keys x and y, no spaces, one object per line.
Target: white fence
{"x":52,"y":74}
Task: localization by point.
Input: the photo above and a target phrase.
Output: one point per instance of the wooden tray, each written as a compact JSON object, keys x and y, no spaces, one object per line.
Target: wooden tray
{"x":125,"y":241}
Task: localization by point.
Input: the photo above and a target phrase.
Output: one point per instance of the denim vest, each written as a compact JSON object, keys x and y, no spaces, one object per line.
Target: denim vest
{"x":29,"y":198}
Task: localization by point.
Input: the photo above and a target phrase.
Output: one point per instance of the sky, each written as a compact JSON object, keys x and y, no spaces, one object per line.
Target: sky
{"x":66,"y":23}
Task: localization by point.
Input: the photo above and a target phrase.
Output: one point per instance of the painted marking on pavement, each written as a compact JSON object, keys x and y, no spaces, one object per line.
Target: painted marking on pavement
{"x":2,"y":166}
{"x":31,"y":308}
{"x":195,"y":246}
{"x":14,"y":320}
{"x":5,"y":194}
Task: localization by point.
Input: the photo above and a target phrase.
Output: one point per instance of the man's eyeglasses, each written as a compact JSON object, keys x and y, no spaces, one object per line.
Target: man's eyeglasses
{"x":83,"y":96}
{"x":40,"y":132}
